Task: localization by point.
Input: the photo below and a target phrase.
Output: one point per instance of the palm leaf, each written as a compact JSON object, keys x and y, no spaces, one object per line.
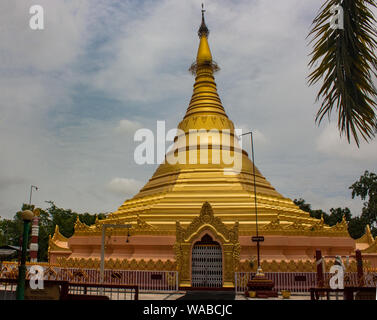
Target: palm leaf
{"x":345,"y":61}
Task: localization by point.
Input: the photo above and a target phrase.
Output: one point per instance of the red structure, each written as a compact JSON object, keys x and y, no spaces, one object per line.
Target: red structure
{"x":360,"y":272}
{"x":34,"y":239}
{"x":320,"y":271}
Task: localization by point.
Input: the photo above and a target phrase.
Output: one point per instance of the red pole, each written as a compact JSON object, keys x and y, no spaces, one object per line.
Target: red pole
{"x":360,"y":272}
{"x":318,"y":258}
{"x":34,"y":239}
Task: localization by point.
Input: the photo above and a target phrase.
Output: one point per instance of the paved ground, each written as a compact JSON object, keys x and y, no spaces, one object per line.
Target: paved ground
{"x":293,"y":297}
{"x":209,"y":295}
{"x":161,"y":296}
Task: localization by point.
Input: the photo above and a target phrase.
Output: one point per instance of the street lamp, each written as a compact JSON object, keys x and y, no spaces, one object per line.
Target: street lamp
{"x":31,"y":192}
{"x":256,"y":239}
{"x":26,"y":216}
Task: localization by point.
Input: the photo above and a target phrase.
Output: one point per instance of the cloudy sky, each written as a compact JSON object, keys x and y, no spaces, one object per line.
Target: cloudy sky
{"x":73,"y":94}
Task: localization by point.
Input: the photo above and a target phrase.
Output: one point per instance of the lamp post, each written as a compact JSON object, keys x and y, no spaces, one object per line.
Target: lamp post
{"x":256,"y":239}
{"x":27,"y":216}
{"x":31,"y":192}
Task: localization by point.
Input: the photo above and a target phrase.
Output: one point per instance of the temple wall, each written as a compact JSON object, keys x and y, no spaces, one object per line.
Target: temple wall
{"x":161,"y":247}
{"x":295,"y":247}
{"x":54,"y":256}
{"x":372,"y":258}
{"x":116,"y":247}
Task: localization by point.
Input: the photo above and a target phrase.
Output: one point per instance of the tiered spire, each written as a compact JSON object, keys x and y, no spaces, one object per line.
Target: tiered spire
{"x":205,"y":99}
{"x":203,"y":30}
{"x":178,"y":189}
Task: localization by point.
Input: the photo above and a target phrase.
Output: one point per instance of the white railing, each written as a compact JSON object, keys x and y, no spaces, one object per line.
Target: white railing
{"x":8,"y":290}
{"x":112,"y":291}
{"x":146,"y":280}
{"x":297,"y":281}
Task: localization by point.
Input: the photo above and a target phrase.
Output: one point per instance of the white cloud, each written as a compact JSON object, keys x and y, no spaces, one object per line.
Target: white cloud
{"x":334,"y":201}
{"x":72,"y":95}
{"x":146,"y":53}
{"x":58,"y":45}
{"x":128,"y":126}
{"x":124,"y":186}
{"x":258,"y":136}
{"x":330,"y":143}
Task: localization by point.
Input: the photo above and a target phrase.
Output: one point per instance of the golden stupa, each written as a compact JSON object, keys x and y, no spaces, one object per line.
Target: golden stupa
{"x":204,"y":202}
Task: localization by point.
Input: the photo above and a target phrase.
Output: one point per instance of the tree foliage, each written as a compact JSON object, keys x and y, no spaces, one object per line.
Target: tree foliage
{"x":11,"y":230}
{"x":335,"y":216}
{"x":346,"y":62}
{"x":366,"y":189}
{"x":356,"y":225}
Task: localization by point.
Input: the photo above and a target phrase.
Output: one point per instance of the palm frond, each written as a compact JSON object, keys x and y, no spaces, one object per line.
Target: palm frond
{"x":346,"y":64}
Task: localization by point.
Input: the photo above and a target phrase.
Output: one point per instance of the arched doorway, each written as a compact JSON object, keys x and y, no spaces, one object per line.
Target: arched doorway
{"x":226,"y":250}
{"x":207,"y":263}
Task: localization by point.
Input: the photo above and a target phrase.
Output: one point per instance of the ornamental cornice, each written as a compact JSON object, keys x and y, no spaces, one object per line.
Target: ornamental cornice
{"x":58,"y":236}
{"x":301,"y":227}
{"x":206,"y":218}
{"x":367,"y":237}
{"x":118,"y":264}
{"x":138,"y":227}
{"x":52,"y":246}
{"x":186,"y":238}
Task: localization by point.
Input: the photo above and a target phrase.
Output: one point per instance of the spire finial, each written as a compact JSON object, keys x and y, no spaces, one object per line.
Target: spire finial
{"x":204,"y":57}
{"x":203,"y":30}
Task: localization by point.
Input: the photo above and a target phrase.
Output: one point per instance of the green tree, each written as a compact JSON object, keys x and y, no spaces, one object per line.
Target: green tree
{"x":11,"y":229}
{"x":336,"y":215}
{"x":356,"y":227}
{"x":301,"y":203}
{"x":65,"y":219}
{"x":366,"y":189}
{"x":345,"y":60}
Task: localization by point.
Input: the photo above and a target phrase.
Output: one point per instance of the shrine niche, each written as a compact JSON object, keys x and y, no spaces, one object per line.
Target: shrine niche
{"x":206,"y":224}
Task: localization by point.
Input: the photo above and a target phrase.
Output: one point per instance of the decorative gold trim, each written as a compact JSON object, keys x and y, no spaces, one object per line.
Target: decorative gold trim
{"x":139,"y":226}
{"x":58,"y":236}
{"x":80,"y":226}
{"x":283,"y":225}
{"x":367,"y":237}
{"x":118,"y":264}
{"x":227,"y":237}
{"x":53,"y":246}
{"x":142,"y":225}
{"x":295,"y":266}
{"x":301,"y":227}
{"x":372,"y":248}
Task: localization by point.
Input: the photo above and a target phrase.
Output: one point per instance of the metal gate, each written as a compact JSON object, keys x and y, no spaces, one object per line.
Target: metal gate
{"x":207,"y":266}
